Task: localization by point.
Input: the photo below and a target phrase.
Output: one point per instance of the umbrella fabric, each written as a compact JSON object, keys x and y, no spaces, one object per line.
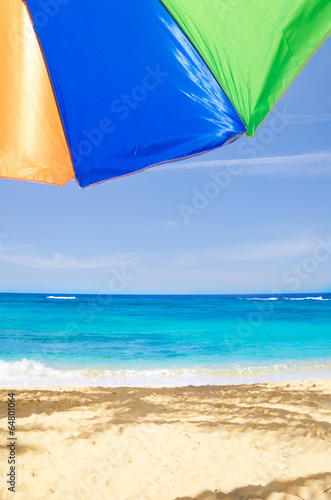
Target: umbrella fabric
{"x":102,"y":89}
{"x":32,"y":142}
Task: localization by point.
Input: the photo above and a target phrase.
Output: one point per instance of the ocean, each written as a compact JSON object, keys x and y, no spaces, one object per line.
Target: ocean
{"x":163,"y":340}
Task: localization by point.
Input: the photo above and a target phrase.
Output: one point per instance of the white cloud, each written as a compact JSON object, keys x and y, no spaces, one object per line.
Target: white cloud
{"x":303,"y":119}
{"x":289,"y":166}
{"x":270,"y":250}
{"x":253,"y":267}
{"x":59,"y":261}
{"x":273,"y":250}
{"x":174,"y":224}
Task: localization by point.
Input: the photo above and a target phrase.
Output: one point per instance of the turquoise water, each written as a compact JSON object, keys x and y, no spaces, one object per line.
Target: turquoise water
{"x":163,"y":340}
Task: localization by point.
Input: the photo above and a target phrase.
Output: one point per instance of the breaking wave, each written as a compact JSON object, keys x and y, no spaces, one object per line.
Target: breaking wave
{"x":285,"y":298}
{"x":259,"y":298}
{"x":31,"y":373}
{"x":60,"y":298}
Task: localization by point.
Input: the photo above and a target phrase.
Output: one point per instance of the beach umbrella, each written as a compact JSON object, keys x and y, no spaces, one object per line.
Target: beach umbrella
{"x":94,"y":90}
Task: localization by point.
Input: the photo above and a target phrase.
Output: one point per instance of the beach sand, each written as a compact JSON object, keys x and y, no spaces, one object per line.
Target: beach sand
{"x":266,"y":441}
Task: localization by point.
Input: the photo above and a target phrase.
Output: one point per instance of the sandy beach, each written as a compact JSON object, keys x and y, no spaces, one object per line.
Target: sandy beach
{"x":266,"y":441}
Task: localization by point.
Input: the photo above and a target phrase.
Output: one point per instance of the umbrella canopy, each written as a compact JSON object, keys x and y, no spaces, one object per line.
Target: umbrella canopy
{"x":99,"y":90}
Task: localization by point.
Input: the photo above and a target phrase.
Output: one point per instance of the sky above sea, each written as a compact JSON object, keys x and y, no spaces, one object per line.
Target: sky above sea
{"x":252,"y":217}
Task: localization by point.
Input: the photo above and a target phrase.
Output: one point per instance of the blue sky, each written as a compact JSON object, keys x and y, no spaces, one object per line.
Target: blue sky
{"x":253,"y":217}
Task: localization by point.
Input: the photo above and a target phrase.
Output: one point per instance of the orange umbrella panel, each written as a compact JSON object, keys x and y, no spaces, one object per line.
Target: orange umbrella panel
{"x":32,"y":142}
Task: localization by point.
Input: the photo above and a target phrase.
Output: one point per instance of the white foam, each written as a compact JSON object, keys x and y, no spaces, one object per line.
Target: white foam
{"x":305,"y":298}
{"x":286,"y":298}
{"x":259,"y":298}
{"x":60,"y":298}
{"x":31,"y":373}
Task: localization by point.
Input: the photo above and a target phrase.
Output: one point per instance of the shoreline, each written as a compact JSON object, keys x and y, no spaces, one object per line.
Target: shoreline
{"x":269,"y":441}
{"x":294,"y":384}
{"x":30,"y":373}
